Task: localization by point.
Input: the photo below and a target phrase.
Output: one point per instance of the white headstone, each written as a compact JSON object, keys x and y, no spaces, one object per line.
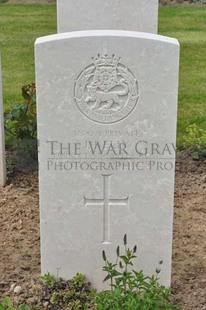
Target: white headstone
{"x":107,"y":105}
{"x":2,"y":144}
{"x":135,"y":15}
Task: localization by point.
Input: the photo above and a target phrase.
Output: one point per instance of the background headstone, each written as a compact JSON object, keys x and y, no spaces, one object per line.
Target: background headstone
{"x":107,"y":107}
{"x":2,"y":144}
{"x":133,"y":15}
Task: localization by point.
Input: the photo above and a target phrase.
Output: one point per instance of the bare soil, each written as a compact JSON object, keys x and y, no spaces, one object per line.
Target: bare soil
{"x":20,"y":244}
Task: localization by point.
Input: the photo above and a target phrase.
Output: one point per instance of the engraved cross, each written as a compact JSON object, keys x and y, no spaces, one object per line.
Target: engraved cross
{"x":106,"y":202}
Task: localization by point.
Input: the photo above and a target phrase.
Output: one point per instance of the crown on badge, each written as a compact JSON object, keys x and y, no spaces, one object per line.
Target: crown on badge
{"x":106,"y":60}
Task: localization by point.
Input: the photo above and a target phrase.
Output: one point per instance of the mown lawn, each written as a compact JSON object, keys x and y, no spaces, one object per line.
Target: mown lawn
{"x":20,"y":25}
{"x":188,"y":25}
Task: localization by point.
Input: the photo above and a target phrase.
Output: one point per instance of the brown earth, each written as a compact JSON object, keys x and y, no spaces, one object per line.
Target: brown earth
{"x":19,"y":235}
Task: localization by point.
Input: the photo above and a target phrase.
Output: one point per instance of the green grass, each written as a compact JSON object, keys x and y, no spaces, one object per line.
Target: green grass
{"x":188,"y":25}
{"x":21,"y":24}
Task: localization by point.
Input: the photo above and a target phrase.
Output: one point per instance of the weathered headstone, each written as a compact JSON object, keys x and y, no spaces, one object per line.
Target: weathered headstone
{"x":107,"y":104}
{"x":2,"y":144}
{"x":134,"y":15}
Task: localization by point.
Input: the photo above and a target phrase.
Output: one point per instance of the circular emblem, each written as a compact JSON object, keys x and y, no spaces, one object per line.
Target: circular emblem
{"x":106,"y":91}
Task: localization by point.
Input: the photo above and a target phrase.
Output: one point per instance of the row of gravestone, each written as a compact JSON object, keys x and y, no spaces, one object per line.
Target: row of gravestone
{"x":136,"y":15}
{"x":107,"y":105}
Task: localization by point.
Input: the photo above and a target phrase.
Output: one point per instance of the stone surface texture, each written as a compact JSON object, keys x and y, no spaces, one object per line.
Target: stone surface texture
{"x":107,"y":130}
{"x":2,"y":144}
{"x":134,"y":15}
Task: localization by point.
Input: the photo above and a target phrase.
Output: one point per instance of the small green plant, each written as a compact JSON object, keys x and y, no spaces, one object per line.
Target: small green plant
{"x":74,"y":294}
{"x":49,"y":280}
{"x":79,"y":279}
{"x":130,"y":289}
{"x":7,"y":304}
{"x":24,"y":307}
{"x":10,"y":166}
{"x":195,"y":142}
{"x":21,"y":123}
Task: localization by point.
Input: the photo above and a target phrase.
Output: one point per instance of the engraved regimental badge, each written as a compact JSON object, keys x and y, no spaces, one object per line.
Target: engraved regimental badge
{"x":106,"y":91}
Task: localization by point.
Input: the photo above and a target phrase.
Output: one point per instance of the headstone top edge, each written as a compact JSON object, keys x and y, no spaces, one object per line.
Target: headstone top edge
{"x":108,"y":33}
